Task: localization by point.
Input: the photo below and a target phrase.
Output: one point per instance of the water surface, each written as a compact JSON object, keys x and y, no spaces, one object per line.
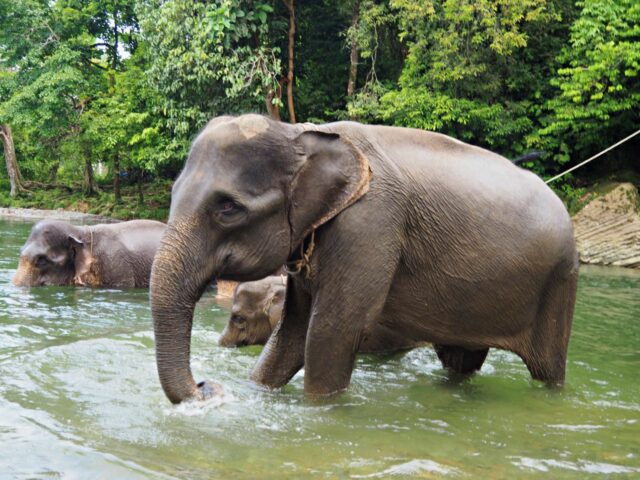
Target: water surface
{"x":79,"y":398}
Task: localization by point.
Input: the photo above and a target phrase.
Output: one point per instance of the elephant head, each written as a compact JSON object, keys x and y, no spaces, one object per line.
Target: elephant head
{"x":256,"y":310}
{"x":50,"y":255}
{"x":251,"y":191}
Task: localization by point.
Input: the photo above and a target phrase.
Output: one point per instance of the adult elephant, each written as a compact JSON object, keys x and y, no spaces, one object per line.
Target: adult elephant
{"x":106,"y":255}
{"x":413,"y":231}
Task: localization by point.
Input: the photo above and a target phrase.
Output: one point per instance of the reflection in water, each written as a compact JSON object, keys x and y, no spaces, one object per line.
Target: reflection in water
{"x":80,"y":398}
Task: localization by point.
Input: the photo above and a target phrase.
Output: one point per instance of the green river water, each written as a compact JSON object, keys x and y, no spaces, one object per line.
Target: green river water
{"x":80,"y":399}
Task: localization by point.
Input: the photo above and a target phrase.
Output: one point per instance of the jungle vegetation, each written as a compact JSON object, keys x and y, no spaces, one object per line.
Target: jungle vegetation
{"x":100,"y":99}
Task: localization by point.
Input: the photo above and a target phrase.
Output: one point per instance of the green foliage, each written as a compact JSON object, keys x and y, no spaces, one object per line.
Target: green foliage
{"x":122,"y":123}
{"x":126,"y":84}
{"x":157,"y":196}
{"x":573,"y":197}
{"x":598,"y":96}
{"x":206,"y":59}
{"x":59,"y":78}
{"x":462,"y":74}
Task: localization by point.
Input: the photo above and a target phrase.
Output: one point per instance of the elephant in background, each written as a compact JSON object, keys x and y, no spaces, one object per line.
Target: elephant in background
{"x":255,"y":311}
{"x":380,"y":227}
{"x":106,"y":255}
{"x":257,"y":308}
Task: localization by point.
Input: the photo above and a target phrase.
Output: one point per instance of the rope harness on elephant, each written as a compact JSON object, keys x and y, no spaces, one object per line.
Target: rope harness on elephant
{"x":304,"y":263}
{"x":90,"y":242}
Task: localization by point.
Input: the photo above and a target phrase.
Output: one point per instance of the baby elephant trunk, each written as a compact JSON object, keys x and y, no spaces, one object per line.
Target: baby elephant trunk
{"x":26,"y":275}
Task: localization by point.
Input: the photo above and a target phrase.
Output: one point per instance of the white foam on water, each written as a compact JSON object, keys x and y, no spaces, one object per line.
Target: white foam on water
{"x":577,"y":428}
{"x":544,"y":465}
{"x":620,"y":405}
{"x":413,"y":468}
{"x":196,"y":408}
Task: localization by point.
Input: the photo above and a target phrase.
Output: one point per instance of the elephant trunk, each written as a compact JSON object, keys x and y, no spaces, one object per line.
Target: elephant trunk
{"x":179,"y":275}
{"x":26,"y":275}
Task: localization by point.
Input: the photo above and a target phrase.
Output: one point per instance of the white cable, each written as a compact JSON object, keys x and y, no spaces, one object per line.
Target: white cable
{"x":593,"y":158}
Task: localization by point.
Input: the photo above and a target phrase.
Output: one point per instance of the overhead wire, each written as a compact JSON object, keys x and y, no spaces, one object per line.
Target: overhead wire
{"x":593,"y":158}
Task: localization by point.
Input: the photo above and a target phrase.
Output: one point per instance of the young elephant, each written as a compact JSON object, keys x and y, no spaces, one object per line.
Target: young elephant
{"x":109,"y":255}
{"x":256,"y":310}
{"x":380,"y":227}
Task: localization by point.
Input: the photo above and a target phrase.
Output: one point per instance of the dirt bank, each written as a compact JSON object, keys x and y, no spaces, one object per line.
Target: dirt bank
{"x":607,"y":229}
{"x":36,"y":214}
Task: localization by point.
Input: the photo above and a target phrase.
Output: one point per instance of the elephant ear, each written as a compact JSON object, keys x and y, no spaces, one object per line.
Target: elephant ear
{"x":275,"y":304}
{"x":334,"y":174}
{"x":75,"y":241}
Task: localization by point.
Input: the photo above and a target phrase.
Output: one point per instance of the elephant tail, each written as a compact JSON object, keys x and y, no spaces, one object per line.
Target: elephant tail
{"x":528,"y":156}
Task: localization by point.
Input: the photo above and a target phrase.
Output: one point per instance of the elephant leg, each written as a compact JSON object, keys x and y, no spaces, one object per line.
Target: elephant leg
{"x":461,"y":360}
{"x":336,"y":330}
{"x":544,"y":351}
{"x":283,"y":355}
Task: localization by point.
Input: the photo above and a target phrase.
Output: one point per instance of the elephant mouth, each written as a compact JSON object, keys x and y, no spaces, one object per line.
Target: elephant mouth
{"x":224,"y":267}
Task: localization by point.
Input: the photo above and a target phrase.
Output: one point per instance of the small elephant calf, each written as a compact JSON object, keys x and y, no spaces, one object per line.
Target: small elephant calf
{"x":256,"y":310}
{"x":108,"y":255}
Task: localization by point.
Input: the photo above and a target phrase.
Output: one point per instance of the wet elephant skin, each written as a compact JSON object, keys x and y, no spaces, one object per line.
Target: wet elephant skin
{"x":410,"y":231}
{"x":106,"y":255}
{"x":255,"y":311}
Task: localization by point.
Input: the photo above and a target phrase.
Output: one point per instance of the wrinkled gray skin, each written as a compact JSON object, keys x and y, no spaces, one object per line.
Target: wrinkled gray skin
{"x":109,"y":255}
{"x":415,"y":232}
{"x":257,"y":309}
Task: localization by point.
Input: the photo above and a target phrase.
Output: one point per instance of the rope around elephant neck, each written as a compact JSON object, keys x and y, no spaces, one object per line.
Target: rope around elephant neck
{"x":593,"y":158}
{"x":303,"y":263}
{"x":90,"y":242}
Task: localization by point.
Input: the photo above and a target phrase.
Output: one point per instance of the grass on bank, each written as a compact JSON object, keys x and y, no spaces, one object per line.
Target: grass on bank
{"x":585,"y":190}
{"x":156,"y":194}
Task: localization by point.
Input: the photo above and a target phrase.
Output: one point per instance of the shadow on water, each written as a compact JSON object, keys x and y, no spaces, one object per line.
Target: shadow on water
{"x":80,"y":398}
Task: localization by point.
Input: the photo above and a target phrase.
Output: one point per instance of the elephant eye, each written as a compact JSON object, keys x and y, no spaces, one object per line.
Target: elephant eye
{"x":229,"y":211}
{"x":237,"y":319}
{"x":41,"y":261}
{"x":228,"y":207}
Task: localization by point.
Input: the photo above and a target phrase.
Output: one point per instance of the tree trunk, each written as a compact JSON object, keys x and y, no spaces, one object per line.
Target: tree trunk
{"x":273,"y":110}
{"x":114,"y":51}
{"x":112,"y":83}
{"x":53,"y":172}
{"x":291,"y":5}
{"x":140,"y":190}
{"x":88,"y":184}
{"x":88,"y":180}
{"x":353,"y":70}
{"x":116,"y":178}
{"x":15,"y":177}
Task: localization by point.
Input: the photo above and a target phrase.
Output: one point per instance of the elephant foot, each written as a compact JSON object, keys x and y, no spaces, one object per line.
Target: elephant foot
{"x":461,"y":360}
{"x":550,"y":369}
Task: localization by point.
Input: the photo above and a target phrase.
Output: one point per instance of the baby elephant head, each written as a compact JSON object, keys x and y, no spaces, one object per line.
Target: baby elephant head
{"x":49,"y":255}
{"x":257,"y":308}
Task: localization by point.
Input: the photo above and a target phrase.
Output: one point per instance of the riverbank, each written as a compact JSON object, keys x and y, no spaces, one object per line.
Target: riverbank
{"x":607,"y":228}
{"x":39,"y":214}
{"x":607,"y":224}
{"x":153,"y":204}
